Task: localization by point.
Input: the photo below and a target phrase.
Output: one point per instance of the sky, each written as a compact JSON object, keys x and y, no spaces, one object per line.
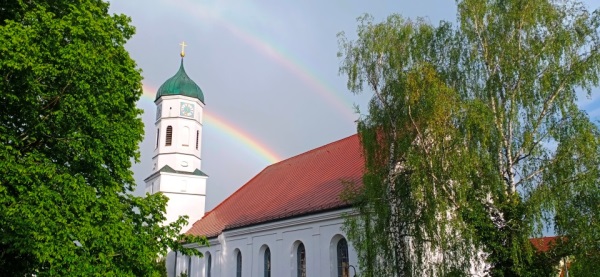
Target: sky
{"x":269,"y":73}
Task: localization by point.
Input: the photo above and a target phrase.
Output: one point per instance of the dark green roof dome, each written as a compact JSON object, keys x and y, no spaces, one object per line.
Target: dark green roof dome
{"x":180,"y":84}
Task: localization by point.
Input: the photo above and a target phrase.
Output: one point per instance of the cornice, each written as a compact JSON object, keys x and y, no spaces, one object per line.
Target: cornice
{"x":177,"y":153}
{"x":290,"y":222}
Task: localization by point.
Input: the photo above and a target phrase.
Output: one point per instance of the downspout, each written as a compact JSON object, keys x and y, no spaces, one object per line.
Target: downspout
{"x":175,"y":265}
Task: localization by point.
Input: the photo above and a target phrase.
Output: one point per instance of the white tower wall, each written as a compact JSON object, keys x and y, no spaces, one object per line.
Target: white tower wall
{"x":176,"y":168}
{"x":182,"y":154}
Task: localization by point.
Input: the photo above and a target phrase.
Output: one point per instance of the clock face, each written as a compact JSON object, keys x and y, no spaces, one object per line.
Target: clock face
{"x":187,"y":109}
{"x":158,"y":111}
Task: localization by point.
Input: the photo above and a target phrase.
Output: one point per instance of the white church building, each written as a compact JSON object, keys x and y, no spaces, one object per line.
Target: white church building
{"x":286,"y":221}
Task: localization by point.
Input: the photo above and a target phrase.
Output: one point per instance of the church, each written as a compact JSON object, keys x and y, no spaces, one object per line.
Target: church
{"x":286,"y":221}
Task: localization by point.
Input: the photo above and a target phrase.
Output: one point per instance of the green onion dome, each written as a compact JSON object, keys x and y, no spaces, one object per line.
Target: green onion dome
{"x":180,"y":84}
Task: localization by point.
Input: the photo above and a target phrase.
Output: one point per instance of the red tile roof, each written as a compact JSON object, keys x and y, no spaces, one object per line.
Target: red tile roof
{"x":544,"y":244}
{"x":308,"y":183}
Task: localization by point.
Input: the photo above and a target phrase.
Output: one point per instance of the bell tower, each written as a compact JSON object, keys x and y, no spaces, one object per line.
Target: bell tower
{"x":176,"y":163}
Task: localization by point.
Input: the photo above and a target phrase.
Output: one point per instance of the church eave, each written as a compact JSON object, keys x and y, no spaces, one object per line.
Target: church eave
{"x":168,"y":169}
{"x":287,"y":216}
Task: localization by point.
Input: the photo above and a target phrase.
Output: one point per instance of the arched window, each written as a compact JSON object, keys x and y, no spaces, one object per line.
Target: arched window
{"x":301,"y":260}
{"x":343,"y":267}
{"x":238,"y":265}
{"x":267,"y":263}
{"x":185,"y":136}
{"x":197,"y":138}
{"x":157,"y":137}
{"x":208,"y":265}
{"x":169,"y":136}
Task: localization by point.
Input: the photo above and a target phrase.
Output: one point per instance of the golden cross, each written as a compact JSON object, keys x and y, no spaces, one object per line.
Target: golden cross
{"x":183,"y":45}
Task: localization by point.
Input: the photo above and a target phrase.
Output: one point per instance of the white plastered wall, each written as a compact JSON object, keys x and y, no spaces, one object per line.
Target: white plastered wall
{"x":318,"y":232}
{"x":186,"y":193}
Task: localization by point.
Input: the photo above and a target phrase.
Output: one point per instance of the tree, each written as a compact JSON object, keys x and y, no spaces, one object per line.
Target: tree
{"x":474,"y":142}
{"x":69,"y":130}
{"x":409,"y":139}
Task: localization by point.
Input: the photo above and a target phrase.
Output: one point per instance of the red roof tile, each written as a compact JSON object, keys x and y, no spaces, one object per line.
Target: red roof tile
{"x":307,"y":183}
{"x":544,"y":244}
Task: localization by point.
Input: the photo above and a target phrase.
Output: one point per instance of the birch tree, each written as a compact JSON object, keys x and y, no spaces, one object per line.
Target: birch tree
{"x":474,"y":141}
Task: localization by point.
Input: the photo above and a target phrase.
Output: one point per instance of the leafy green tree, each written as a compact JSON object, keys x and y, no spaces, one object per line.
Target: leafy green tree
{"x":474,"y":141}
{"x":69,"y":130}
{"x":410,"y":139}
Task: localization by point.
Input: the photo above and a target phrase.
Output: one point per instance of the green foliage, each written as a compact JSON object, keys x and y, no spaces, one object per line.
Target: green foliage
{"x":474,"y":141}
{"x":69,"y":130}
{"x":160,"y":267}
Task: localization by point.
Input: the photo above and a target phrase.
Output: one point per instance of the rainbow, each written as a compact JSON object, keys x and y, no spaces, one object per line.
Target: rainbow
{"x":275,"y":53}
{"x":239,"y":135}
{"x":227,"y":129}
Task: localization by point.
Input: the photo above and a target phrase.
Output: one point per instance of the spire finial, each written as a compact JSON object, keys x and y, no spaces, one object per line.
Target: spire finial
{"x":183,"y":45}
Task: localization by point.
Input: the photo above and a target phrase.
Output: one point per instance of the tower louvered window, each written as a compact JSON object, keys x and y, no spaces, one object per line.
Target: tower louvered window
{"x":197,"y":138}
{"x":169,"y":136}
{"x":157,"y":137}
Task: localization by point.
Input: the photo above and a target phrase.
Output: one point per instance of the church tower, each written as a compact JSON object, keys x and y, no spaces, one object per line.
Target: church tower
{"x":177,"y":161}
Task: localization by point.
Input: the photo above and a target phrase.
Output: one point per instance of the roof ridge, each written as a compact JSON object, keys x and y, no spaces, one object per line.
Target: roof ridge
{"x":314,"y":149}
